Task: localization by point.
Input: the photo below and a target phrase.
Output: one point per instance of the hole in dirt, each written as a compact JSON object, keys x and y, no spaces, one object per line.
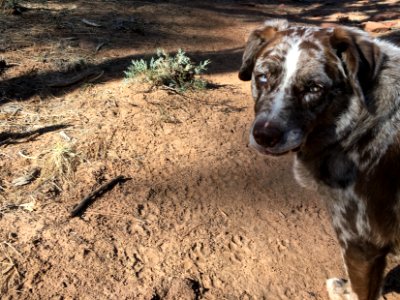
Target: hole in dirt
{"x":156,"y":297}
{"x":140,"y":209}
{"x":197,"y":288}
{"x":151,"y":194}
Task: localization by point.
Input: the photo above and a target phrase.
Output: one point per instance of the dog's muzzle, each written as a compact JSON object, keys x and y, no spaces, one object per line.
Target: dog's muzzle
{"x":270,"y":137}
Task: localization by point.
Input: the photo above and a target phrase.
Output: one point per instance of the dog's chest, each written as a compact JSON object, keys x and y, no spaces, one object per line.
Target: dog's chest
{"x":334,"y":170}
{"x":334,"y":178}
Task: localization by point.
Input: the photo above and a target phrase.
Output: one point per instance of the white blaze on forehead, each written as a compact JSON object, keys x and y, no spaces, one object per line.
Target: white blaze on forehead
{"x":291,"y":62}
{"x":289,"y":71}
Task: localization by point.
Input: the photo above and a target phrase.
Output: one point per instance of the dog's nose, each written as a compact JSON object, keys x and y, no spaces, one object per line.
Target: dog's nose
{"x":266,"y":134}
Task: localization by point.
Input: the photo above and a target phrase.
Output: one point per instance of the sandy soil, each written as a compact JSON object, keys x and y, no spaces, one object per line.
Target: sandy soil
{"x":202,"y":216}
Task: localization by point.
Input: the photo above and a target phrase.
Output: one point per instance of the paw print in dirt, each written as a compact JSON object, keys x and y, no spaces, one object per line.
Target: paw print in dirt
{"x":239,"y":248}
{"x":142,"y":261}
{"x":199,"y":253}
{"x":282,"y":245}
{"x":147,"y":217}
{"x":148,"y":212}
{"x":137,"y":265}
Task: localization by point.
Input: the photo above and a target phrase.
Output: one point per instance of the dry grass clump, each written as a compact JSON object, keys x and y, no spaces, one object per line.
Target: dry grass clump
{"x":8,"y":4}
{"x":10,"y":275}
{"x":48,"y":173}
{"x":60,"y":161}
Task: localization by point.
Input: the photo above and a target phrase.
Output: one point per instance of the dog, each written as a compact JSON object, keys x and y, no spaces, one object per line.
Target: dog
{"x":332,"y":96}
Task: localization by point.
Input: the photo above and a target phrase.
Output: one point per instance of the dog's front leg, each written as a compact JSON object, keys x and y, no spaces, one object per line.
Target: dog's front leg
{"x":365,"y":265}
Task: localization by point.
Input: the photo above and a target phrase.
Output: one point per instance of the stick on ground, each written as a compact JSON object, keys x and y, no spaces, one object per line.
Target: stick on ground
{"x":84,"y":204}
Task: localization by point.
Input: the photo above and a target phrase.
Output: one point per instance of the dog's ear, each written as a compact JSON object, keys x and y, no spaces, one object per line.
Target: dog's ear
{"x":361,"y":57}
{"x":256,"y":41}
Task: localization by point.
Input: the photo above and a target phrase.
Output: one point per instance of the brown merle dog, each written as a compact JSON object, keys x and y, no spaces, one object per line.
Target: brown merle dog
{"x":332,"y":95}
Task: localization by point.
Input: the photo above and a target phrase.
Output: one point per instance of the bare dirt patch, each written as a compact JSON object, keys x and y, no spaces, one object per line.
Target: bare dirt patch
{"x":202,"y":216}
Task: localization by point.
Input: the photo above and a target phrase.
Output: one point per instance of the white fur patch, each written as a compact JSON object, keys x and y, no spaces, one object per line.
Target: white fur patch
{"x":340,"y":223}
{"x":303,"y":176}
{"x":279,"y":24}
{"x":349,"y":117}
{"x":338,"y":289}
{"x":252,"y":142}
{"x":339,"y":206}
{"x":291,"y":62}
{"x":362,"y":224}
{"x":290,"y":68}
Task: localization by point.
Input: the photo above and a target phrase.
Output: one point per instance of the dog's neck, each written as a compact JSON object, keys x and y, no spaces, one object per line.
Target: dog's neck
{"x":336,"y":155}
{"x":375,"y":126}
{"x":369,"y":124}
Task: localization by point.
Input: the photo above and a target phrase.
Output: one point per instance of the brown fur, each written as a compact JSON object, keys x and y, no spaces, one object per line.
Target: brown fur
{"x":256,"y":41}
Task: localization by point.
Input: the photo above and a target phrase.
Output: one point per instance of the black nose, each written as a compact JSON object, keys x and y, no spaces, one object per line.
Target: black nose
{"x":266,"y":134}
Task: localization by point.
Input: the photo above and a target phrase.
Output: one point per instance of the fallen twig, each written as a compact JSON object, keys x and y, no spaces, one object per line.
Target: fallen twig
{"x":90,"y":23}
{"x":168,"y":88}
{"x":81,"y":207}
{"x":27,"y":178}
{"x":89,"y":76}
{"x":9,"y":65}
{"x":95,"y":77}
{"x":65,"y":136}
{"x":22,"y":154}
{"x":29,"y":206}
{"x":99,"y":46}
{"x":10,"y":140}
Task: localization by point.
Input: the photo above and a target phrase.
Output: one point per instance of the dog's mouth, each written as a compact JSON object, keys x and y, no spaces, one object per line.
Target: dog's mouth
{"x":275,"y":152}
{"x":291,"y":142}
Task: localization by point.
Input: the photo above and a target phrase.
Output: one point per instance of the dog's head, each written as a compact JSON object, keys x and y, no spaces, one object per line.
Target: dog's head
{"x":303,"y":77}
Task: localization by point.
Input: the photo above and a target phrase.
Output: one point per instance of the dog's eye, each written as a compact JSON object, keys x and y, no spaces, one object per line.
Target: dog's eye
{"x":314,"y":88}
{"x":262,"y":79}
{"x":312,"y":93}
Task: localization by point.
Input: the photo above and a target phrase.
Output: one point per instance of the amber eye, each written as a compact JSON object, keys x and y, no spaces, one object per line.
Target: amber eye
{"x":262,"y":79}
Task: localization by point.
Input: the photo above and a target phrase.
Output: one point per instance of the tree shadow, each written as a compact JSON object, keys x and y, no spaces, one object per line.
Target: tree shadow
{"x":131,"y":26}
{"x":43,"y":83}
{"x":69,"y":25}
{"x":311,"y":12}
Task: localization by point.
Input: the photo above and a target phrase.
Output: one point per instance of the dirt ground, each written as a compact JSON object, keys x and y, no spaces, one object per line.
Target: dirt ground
{"x":202,"y":216}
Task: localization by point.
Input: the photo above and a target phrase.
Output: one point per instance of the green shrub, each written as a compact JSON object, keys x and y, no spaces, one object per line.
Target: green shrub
{"x":9,"y":4}
{"x":177,"y":72}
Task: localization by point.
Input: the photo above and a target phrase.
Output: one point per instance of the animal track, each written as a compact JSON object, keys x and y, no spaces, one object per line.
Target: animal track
{"x":199,"y":253}
{"x":239,"y":247}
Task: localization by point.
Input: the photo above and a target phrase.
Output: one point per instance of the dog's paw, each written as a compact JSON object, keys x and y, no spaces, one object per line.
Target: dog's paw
{"x":340,"y":289}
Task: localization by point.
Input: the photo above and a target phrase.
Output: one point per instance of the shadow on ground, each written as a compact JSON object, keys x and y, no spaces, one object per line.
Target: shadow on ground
{"x":40,"y":83}
{"x":8,"y":138}
{"x":60,"y":27}
{"x":311,"y":12}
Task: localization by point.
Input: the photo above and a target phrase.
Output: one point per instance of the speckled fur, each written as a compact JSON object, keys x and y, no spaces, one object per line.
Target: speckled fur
{"x":346,"y":135}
